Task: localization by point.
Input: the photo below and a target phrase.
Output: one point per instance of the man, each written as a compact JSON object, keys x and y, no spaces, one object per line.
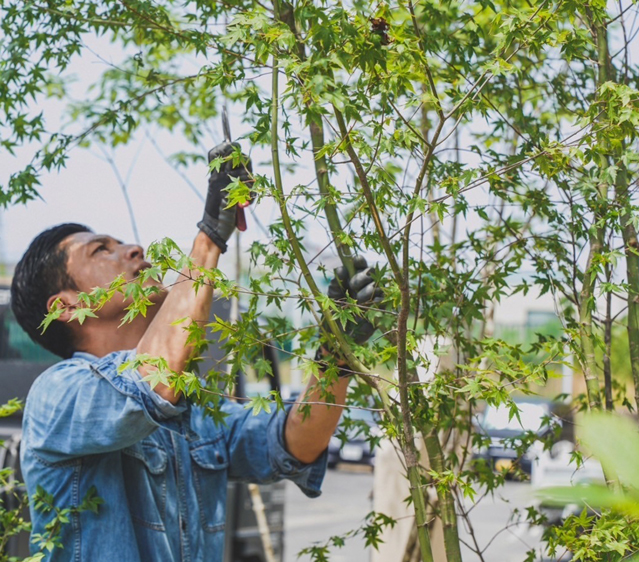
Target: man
{"x":92,"y":427}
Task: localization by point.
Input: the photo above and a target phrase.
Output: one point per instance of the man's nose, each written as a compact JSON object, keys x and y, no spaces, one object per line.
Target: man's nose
{"x":134,"y":251}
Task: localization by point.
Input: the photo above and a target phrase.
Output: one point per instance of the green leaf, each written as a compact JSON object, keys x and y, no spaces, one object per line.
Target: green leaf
{"x":258,"y":403}
{"x":238,"y":193}
{"x":614,"y":441}
{"x":11,"y":407}
{"x":596,"y":496}
{"x":55,"y":311}
{"x":158,"y":376}
{"x":81,"y":314}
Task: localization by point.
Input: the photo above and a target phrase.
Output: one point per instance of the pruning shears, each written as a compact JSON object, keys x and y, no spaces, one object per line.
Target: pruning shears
{"x":240,"y":220}
{"x":226,"y":128}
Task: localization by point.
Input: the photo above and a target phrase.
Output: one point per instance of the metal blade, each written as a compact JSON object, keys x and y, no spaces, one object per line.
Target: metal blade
{"x":226,"y":128}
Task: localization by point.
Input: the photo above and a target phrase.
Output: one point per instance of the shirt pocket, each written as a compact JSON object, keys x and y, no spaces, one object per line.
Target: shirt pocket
{"x":145,"y":480}
{"x":210,"y":465}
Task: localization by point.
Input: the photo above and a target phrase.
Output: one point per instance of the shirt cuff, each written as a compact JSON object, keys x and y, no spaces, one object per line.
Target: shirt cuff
{"x":308,"y":477}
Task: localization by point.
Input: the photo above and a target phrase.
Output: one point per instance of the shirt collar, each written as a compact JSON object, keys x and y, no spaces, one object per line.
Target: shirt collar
{"x":95,"y":359}
{"x":84,"y":355}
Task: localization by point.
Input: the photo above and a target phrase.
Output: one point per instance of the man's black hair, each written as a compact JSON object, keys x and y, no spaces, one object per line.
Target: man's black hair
{"x":41,"y":273}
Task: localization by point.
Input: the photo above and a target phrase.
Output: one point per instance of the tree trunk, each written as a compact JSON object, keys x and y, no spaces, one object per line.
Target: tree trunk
{"x":631,"y":248}
{"x":446,"y":499}
{"x":629,"y":232}
{"x":607,"y":368}
{"x":586,"y":335}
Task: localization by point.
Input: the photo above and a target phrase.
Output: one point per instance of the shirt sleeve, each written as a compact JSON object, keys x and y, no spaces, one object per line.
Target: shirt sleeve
{"x":81,"y":408}
{"x":257,"y":452}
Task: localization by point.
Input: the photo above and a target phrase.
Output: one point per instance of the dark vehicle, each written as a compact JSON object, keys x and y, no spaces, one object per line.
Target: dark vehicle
{"x":21,"y":361}
{"x":349,"y":444}
{"x":499,"y":428}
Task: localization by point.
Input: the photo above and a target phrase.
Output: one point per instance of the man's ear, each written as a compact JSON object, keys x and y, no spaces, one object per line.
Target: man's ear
{"x":65,"y":301}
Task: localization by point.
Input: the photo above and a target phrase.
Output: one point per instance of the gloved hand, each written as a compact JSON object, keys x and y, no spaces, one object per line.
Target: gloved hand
{"x":218,"y":223}
{"x":360,"y":287}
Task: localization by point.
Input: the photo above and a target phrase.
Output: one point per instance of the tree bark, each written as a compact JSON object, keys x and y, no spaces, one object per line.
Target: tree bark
{"x":631,"y":247}
{"x":446,"y":499}
{"x":607,"y":368}
{"x":586,"y":335}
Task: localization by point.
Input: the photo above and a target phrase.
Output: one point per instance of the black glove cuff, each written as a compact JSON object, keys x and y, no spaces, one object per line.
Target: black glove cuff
{"x":319,"y":358}
{"x":214,"y":236}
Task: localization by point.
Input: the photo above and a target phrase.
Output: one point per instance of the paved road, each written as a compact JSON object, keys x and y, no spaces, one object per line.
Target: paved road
{"x":347,"y":499}
{"x":500,"y":534}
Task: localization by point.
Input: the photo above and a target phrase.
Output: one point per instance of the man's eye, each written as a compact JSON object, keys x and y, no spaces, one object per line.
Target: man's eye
{"x":100,"y":248}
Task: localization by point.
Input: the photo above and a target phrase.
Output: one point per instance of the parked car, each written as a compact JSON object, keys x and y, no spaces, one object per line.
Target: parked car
{"x":21,"y":361}
{"x":557,"y":468}
{"x":349,"y":444}
{"x":500,"y":428}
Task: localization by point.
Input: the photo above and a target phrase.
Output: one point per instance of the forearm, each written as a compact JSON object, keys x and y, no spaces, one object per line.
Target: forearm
{"x":162,"y":338}
{"x":306,"y":438}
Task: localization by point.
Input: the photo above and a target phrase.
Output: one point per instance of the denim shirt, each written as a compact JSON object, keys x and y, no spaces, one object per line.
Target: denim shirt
{"x":161,"y":469}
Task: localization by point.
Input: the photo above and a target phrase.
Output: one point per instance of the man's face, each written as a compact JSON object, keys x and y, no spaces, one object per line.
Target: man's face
{"x":95,"y":260}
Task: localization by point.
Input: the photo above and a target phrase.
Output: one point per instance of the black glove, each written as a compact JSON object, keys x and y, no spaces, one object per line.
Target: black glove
{"x":218,"y":223}
{"x":362,"y":288}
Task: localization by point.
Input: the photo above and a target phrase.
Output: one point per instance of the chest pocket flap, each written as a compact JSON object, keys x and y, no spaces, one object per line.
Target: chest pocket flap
{"x":210,"y":456}
{"x":150,"y":454}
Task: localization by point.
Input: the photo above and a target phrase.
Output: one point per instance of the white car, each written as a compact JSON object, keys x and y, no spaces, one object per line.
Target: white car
{"x":555,"y":468}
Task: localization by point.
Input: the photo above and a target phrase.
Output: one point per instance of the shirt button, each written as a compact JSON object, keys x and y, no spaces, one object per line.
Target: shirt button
{"x":219,"y":458}
{"x":183,"y":524}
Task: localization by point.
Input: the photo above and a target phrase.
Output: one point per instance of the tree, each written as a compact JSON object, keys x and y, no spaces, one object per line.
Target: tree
{"x":462,"y":143}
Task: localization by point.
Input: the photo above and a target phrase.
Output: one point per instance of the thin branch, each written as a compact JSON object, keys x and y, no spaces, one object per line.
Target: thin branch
{"x":188,"y":182}
{"x":368,"y":194}
{"x":124,"y":188}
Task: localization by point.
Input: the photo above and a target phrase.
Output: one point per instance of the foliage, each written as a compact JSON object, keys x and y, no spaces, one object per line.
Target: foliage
{"x":609,"y":521}
{"x":370,"y":530}
{"x":12,"y":501}
{"x":49,"y":540}
{"x":492,"y":152}
{"x":589,"y":537}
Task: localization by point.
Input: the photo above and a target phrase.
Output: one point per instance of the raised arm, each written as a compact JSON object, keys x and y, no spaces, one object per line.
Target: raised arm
{"x":308,"y":435}
{"x":162,"y":338}
{"x":216,"y":227}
